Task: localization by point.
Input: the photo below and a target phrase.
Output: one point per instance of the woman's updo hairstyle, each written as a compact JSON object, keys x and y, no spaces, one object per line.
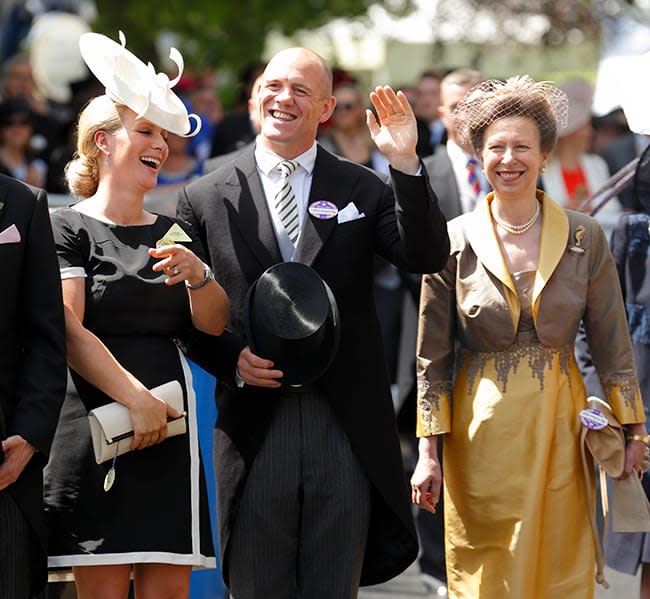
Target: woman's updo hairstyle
{"x":82,"y":172}
{"x":521,"y":96}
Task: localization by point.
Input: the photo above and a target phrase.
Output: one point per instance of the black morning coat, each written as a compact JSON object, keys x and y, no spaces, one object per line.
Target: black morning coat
{"x":32,"y":345}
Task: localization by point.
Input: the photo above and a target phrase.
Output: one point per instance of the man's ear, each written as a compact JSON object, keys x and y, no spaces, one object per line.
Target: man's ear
{"x":328,"y":109}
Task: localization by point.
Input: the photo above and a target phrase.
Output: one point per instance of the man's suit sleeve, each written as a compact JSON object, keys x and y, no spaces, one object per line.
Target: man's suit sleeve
{"x":216,"y":355}
{"x":423,"y":243}
{"x":42,"y":378}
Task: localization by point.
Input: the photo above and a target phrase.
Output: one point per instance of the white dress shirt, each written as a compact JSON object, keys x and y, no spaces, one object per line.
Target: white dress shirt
{"x":300,"y":181}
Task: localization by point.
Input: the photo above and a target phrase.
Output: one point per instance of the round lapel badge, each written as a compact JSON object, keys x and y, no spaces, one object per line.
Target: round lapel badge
{"x":593,"y":419}
{"x":323,"y":210}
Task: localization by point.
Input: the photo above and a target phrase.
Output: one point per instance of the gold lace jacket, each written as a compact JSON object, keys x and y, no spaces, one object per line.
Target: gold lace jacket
{"x":472,"y":305}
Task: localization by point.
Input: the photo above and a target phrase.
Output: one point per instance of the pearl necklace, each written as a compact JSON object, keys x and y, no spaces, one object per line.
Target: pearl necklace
{"x":518,"y":229}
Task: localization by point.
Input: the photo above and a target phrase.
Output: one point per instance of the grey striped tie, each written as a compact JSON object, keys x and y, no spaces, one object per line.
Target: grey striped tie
{"x":285,"y":200}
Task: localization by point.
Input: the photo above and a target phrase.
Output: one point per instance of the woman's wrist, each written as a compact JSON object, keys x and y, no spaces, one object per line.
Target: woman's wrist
{"x":645,"y":439}
{"x":197,"y":283}
{"x":637,"y":432}
{"x":428,"y":446}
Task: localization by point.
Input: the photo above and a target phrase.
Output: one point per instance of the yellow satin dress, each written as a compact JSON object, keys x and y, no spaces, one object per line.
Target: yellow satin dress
{"x":516,"y":512}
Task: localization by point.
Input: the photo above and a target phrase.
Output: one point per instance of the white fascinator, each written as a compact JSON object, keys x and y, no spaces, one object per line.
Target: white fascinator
{"x":130,"y":82}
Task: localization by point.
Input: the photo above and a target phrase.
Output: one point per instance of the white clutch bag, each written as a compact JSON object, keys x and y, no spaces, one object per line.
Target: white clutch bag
{"x":111,"y":424}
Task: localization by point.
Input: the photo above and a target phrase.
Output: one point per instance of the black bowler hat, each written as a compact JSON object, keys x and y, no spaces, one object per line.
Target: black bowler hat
{"x":292,"y":319}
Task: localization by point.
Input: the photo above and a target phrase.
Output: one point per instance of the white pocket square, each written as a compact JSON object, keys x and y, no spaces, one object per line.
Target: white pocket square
{"x":350,"y":212}
{"x":10,"y":235}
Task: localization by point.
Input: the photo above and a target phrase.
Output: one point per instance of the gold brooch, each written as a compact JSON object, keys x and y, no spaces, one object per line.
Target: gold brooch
{"x":577,"y":247}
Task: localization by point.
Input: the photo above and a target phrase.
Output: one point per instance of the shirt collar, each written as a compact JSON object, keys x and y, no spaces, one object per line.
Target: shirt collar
{"x":268,"y":160}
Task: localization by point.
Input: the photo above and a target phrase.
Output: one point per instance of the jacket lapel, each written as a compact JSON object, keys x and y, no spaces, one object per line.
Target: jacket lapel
{"x":249,"y":210}
{"x":553,"y":244}
{"x":555,"y":231}
{"x":486,"y":246}
{"x":337,"y":190}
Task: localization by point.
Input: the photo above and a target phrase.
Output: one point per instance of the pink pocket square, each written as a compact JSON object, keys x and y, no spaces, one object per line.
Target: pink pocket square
{"x":10,"y":235}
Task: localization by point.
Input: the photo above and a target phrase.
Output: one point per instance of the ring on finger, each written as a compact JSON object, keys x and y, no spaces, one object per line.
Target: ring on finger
{"x":175,"y":270}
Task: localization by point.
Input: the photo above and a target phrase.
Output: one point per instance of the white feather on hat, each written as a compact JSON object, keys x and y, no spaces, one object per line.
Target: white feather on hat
{"x":130,"y":82}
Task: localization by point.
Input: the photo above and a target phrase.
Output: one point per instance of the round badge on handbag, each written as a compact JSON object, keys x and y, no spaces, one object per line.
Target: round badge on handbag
{"x":593,"y":419}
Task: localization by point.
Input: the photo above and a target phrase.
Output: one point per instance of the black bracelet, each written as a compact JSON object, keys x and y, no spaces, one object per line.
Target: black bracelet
{"x":208,"y":277}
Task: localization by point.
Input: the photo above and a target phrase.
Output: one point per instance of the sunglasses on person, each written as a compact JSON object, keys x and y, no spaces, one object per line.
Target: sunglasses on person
{"x":17,"y":121}
{"x":346,"y":106}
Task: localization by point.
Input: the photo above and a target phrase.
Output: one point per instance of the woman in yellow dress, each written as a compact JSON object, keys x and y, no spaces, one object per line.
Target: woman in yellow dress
{"x":496,"y":370}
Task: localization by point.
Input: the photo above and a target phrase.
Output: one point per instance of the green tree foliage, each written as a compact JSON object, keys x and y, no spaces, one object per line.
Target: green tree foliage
{"x":221,"y":33}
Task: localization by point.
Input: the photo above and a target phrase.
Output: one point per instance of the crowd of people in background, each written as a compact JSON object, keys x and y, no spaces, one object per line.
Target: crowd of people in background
{"x":36,"y":133}
{"x":38,"y":139}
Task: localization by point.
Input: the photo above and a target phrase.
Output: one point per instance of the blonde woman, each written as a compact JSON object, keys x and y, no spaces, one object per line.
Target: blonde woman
{"x":133,"y":282}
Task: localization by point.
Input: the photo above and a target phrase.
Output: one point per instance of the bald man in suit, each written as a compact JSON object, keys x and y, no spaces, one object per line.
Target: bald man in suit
{"x":312,"y":496}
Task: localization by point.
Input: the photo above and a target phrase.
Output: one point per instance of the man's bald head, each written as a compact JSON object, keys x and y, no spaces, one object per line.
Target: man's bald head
{"x":305,"y":54}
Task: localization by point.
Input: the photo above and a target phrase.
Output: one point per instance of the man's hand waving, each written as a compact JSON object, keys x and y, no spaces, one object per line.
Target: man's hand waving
{"x":394,"y":129}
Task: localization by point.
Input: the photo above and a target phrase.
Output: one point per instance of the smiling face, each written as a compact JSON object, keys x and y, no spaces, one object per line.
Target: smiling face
{"x":295,"y":97}
{"x":512,"y":157}
{"x":137,"y":150}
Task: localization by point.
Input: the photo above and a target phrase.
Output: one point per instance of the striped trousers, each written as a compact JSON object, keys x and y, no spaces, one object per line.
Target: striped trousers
{"x":302,"y":524}
{"x":16,"y":550}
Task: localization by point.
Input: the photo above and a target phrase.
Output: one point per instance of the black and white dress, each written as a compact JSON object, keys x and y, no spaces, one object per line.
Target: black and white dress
{"x":157,"y":509}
